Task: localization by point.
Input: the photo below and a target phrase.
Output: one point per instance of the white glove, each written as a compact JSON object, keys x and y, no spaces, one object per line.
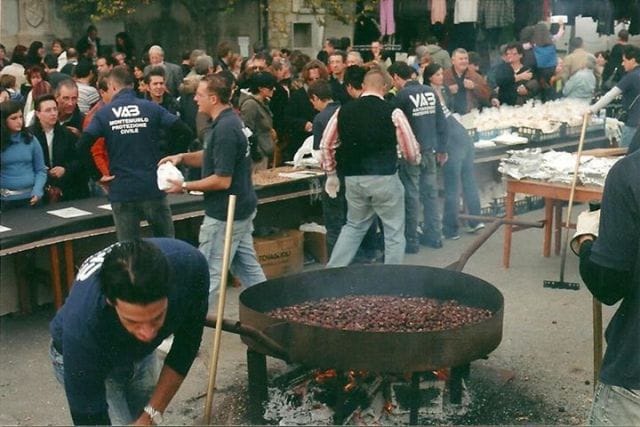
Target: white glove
{"x":332,"y":186}
{"x":588,"y":223}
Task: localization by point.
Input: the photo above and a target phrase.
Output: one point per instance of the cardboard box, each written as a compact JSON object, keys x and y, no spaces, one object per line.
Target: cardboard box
{"x":281,"y":253}
{"x":316,"y":245}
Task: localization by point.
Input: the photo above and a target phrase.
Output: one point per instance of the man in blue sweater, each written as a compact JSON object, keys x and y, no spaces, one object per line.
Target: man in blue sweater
{"x":429,"y":124}
{"x":131,"y":128}
{"x":125,"y":301}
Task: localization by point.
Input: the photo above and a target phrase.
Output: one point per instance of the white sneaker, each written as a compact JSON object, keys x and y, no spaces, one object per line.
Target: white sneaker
{"x":478,"y":227}
{"x":165,"y":345}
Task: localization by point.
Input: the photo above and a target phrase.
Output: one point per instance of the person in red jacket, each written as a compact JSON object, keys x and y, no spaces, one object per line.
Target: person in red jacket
{"x":99,"y":149}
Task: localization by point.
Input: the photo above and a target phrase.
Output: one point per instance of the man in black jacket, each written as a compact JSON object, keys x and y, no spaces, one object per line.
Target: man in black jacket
{"x":58,"y":146}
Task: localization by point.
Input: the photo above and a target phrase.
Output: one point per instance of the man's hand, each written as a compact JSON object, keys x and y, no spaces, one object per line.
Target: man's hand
{"x":527,"y":75}
{"x":75,"y":131}
{"x":332,"y":186}
{"x":495,"y":102}
{"x":453,"y":88}
{"x":308,"y":127}
{"x":104,"y":179}
{"x":522,"y":91}
{"x":34,"y":200}
{"x":57,"y":172}
{"x":143,"y":420}
{"x":442,"y":158}
{"x":176,"y":159}
{"x":176,"y":186}
{"x":587,"y":225}
{"x":469,"y":84}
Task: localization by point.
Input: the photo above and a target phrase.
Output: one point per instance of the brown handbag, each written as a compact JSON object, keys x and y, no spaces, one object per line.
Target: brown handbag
{"x":53,"y":193}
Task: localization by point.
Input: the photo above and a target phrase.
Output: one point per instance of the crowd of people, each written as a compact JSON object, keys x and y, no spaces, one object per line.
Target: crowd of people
{"x":53,"y":98}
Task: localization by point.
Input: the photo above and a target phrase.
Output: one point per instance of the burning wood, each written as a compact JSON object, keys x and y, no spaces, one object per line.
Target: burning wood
{"x":368,"y":399}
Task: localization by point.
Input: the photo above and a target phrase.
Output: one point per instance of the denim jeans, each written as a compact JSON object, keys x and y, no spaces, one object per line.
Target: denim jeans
{"x":410,"y":178}
{"x":627,"y":135}
{"x":128,"y":215}
{"x":334,"y":213}
{"x":244,"y":262}
{"x":368,"y":196}
{"x":615,"y":406}
{"x":432,"y":226}
{"x":459,"y":169}
{"x":128,"y":388}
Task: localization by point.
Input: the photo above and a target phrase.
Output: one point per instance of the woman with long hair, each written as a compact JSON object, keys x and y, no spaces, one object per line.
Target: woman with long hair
{"x":22,"y":171}
{"x":459,"y":166}
{"x":35,"y":54}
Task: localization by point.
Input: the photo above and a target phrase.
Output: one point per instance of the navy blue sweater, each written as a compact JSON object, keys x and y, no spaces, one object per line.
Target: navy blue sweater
{"x":424,"y":111}
{"x":89,"y":335}
{"x":131,"y":128}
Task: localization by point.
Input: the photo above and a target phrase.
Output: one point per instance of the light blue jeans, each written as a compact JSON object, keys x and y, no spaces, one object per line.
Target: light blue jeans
{"x":615,"y":406}
{"x":128,"y":388}
{"x":244,"y":262}
{"x":368,"y":196}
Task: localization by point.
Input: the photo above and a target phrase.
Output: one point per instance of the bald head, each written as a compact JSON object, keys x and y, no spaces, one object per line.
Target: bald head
{"x":375,"y":81}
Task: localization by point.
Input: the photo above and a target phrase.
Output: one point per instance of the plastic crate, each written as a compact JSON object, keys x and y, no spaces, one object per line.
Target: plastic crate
{"x":536,"y":135}
{"x":473,"y":134}
{"x":569,"y":131}
{"x":497,"y":206}
{"x":491,"y":133}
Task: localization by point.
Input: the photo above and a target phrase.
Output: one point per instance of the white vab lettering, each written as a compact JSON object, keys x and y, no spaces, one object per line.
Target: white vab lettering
{"x":423,"y":100}
{"x":92,"y":264}
{"x":126,"y":111}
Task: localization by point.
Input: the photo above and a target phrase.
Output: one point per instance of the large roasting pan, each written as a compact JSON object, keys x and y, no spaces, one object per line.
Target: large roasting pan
{"x":321,"y":347}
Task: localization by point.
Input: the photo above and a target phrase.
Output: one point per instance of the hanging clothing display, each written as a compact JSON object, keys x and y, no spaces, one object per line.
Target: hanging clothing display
{"x":527,"y":12}
{"x":438,"y":11}
{"x":465,"y":11}
{"x":387,"y":22}
{"x":495,"y":13}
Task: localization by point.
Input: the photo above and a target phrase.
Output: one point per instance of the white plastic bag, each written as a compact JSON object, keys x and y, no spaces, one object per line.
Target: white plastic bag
{"x":167,"y":171}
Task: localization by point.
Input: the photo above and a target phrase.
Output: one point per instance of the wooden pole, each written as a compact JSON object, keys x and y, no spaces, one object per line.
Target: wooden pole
{"x":213,"y":365}
{"x":597,"y":340}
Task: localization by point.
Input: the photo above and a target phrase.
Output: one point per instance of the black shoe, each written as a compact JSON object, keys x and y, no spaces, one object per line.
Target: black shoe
{"x":412,"y":247}
{"x":432,"y":243}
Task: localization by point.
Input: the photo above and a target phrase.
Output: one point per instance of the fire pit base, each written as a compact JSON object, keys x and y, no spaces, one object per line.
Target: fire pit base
{"x":259,"y":393}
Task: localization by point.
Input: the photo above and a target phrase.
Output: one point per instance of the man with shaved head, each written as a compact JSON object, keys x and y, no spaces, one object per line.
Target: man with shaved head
{"x":369,"y":131}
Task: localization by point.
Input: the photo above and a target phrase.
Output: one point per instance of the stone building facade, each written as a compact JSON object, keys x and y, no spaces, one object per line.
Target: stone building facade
{"x":283,"y":23}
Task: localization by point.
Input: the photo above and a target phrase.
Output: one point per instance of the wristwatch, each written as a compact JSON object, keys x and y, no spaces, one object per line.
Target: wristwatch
{"x":154,"y":414}
{"x":184,"y":187}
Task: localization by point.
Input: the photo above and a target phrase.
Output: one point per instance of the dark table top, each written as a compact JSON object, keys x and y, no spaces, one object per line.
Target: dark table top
{"x":34,"y":227}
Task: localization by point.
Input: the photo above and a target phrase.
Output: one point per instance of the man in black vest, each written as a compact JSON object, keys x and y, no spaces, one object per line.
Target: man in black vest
{"x":369,"y":131}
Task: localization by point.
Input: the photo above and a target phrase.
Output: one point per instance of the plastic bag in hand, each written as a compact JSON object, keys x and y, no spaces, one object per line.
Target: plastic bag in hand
{"x":167,"y":171}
